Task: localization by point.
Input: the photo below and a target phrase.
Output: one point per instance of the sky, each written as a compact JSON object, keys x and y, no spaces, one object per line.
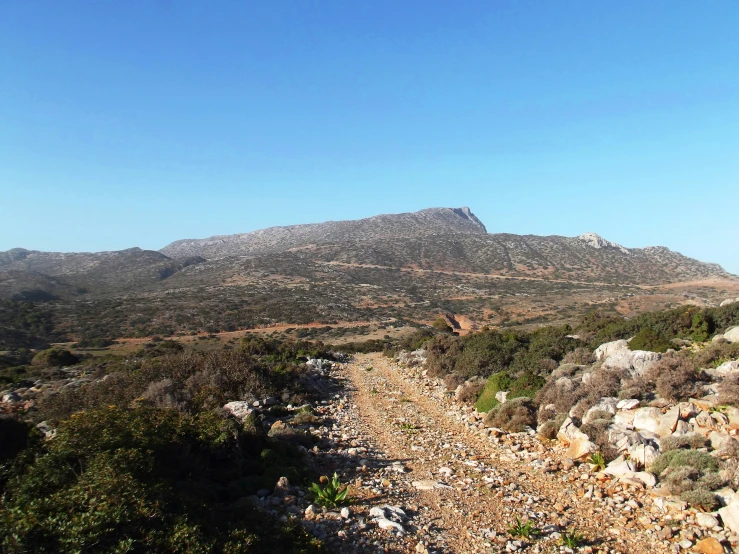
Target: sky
{"x":140,"y":122}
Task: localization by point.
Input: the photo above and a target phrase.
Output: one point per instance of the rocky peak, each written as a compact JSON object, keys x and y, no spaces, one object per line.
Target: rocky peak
{"x":596,"y":241}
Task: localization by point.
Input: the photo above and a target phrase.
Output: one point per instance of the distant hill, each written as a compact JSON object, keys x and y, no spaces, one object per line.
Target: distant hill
{"x":433,"y":221}
{"x":29,"y":272}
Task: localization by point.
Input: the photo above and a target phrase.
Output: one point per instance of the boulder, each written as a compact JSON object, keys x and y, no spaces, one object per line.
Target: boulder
{"x":624,"y":419}
{"x":730,"y":515}
{"x":628,"y":404}
{"x":725,"y":369}
{"x":581,"y":449}
{"x":643,"y":454}
{"x":732,"y":414}
{"x":239,"y":409}
{"x":732,"y":335}
{"x":609,"y":348}
{"x":687,"y":410}
{"x":725,"y":495}
{"x":648,"y":418}
{"x":668,"y":421}
{"x":719,"y":440}
{"x":605,"y":405}
{"x":501,"y":396}
{"x":728,"y":301}
{"x":621,"y":468}
{"x":647,"y":478}
{"x":570,"y":432}
{"x":636,"y":362}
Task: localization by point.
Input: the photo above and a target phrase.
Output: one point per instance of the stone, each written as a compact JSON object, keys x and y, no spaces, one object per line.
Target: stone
{"x":681,"y":428}
{"x":427,"y":485}
{"x":732,"y":415}
{"x":725,"y":495}
{"x":732,"y":335}
{"x":609,"y":348}
{"x":728,"y":301}
{"x":709,"y":545}
{"x":730,"y":515}
{"x":730,"y":367}
{"x":720,"y":440}
{"x":605,"y":405}
{"x":570,"y":432}
{"x":628,"y":404}
{"x":707,"y":521}
{"x":239,"y":409}
{"x":501,"y":396}
{"x":647,"y":418}
{"x":389,"y":525}
{"x":581,"y":449}
{"x":310,"y":512}
{"x":346,"y":513}
{"x":620,"y":468}
{"x":668,"y":421}
{"x":643,"y":454}
{"x":685,"y":544}
{"x":647,"y":478}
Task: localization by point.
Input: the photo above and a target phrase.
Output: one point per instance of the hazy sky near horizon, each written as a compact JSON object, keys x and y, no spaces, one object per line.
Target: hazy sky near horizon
{"x":139,"y":122}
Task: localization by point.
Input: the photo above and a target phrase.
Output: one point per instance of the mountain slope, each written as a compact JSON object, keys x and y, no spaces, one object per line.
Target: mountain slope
{"x":433,"y":221}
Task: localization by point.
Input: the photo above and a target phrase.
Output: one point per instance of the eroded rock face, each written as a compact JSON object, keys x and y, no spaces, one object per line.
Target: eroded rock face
{"x":647,"y":418}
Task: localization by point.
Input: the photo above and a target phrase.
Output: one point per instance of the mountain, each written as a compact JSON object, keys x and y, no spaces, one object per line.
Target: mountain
{"x":433,"y":221}
{"x":404,"y":267}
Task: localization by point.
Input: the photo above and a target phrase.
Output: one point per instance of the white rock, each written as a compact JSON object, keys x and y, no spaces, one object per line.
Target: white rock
{"x":346,"y":513}
{"x":644,"y":455}
{"x":668,"y":421}
{"x":732,"y":335}
{"x":725,"y":495}
{"x":239,"y":409}
{"x":647,"y":478}
{"x":647,"y":418}
{"x":620,"y":468}
{"x":389,"y":525}
{"x":377,"y":512}
{"x":605,"y":405}
{"x":609,"y":348}
{"x":728,"y":301}
{"x":501,"y":396}
{"x":730,"y":367}
{"x":707,"y":521}
{"x":628,"y":404}
{"x":730,"y":515}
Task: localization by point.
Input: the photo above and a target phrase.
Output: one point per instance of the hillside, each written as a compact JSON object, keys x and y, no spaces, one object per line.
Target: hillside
{"x":404,"y":267}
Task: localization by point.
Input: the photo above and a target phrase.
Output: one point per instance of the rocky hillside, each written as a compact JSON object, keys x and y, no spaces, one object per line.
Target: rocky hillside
{"x":434,"y":221}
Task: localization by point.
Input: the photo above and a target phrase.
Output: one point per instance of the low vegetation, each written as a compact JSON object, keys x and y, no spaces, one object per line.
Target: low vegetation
{"x":144,"y":459}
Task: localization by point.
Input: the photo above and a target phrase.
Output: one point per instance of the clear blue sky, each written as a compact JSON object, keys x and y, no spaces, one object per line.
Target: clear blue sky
{"x":138,"y":122}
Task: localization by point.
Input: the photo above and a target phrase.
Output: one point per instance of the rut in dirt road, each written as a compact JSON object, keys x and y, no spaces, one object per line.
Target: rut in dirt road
{"x":468,"y":486}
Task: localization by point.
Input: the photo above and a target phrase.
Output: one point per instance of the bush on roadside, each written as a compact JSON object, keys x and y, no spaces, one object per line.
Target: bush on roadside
{"x":513,"y":416}
{"x":674,"y":377}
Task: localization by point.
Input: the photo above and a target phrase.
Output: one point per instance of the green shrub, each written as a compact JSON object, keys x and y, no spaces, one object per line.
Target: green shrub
{"x":647,"y":339}
{"x":143,"y":480}
{"x":513,"y":416}
{"x":55,"y":357}
{"x":701,"y":461}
